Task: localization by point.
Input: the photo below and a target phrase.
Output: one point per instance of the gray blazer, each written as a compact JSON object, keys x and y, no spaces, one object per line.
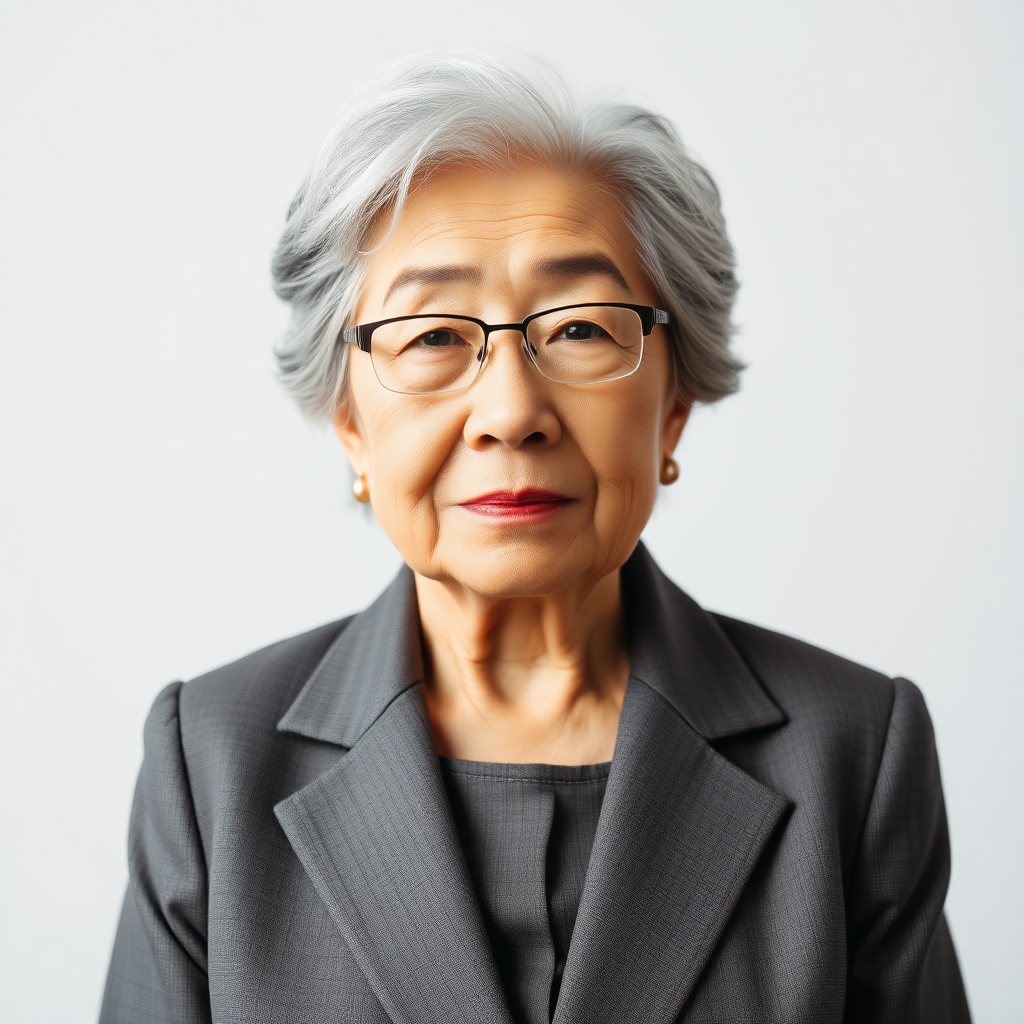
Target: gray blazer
{"x":772,"y":844}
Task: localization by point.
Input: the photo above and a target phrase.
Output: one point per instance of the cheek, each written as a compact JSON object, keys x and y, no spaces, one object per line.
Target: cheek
{"x":618,"y":436}
{"x":408,"y":442}
{"x":408,"y":448}
{"x":405,"y":440}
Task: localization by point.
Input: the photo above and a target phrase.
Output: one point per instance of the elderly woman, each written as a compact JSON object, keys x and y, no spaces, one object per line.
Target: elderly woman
{"x":534,"y":781}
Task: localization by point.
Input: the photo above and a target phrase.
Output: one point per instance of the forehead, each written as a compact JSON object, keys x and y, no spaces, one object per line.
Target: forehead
{"x":500,"y":206}
{"x":502,"y":222}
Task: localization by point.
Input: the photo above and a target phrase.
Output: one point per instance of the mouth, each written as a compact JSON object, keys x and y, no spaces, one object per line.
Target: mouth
{"x":530,"y":503}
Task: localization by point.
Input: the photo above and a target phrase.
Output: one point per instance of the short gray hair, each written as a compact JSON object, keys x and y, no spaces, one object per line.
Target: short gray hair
{"x":489,"y":112}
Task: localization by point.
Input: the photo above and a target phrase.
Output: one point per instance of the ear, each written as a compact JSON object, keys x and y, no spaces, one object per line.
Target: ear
{"x":350,"y":432}
{"x":676,"y":415}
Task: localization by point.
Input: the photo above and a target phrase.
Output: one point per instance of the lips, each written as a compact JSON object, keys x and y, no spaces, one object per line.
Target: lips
{"x":530,"y":503}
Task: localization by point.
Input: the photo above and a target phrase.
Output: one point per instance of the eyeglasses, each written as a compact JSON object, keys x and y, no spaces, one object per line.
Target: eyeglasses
{"x":430,"y":353}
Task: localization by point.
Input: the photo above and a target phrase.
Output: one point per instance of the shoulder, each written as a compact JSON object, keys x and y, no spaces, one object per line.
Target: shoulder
{"x":846,"y":726}
{"x":840,"y":717}
{"x":725,"y":669}
{"x":251,"y":694}
{"x":812,"y":685}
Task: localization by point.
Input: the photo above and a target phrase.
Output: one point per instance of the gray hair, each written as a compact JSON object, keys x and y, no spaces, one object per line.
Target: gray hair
{"x":489,"y":112}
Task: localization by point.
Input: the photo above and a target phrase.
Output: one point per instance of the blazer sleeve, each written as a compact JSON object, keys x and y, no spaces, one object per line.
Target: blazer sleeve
{"x":902,"y":965}
{"x":158,"y":971}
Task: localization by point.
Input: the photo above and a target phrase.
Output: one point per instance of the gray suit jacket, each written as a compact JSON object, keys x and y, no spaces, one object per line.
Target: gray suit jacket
{"x":772,"y":845}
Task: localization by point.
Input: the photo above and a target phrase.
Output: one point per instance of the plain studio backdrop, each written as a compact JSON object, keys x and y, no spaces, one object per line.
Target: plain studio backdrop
{"x":165,"y":509}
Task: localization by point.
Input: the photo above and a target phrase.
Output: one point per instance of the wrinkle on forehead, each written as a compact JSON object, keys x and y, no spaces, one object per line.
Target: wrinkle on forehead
{"x":504,"y":222}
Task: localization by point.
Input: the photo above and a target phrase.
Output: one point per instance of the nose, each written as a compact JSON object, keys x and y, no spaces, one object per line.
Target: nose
{"x":511,"y":401}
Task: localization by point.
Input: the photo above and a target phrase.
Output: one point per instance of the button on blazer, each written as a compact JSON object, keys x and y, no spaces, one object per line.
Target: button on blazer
{"x":772,"y":844}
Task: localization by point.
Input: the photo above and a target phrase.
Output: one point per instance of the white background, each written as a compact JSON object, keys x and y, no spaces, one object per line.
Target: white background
{"x":164,"y":509}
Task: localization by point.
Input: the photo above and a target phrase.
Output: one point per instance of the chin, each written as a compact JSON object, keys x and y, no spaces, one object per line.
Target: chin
{"x":522,"y":567}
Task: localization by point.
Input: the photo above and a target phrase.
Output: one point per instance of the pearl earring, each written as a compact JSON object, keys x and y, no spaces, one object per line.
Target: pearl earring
{"x":670,"y":472}
{"x":361,"y":489}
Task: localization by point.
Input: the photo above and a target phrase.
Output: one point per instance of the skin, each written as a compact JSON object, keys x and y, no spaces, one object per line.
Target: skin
{"x":524,"y":651}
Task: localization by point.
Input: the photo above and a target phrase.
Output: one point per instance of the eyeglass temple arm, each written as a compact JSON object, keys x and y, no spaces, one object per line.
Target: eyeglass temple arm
{"x":651,"y":316}
{"x":357,"y":336}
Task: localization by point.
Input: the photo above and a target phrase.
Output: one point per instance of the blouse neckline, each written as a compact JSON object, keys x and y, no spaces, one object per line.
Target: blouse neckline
{"x":557,"y":774}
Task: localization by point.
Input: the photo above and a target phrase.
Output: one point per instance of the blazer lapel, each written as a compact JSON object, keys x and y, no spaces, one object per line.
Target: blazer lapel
{"x":375,"y":833}
{"x":680,"y":831}
{"x":681,"y":827}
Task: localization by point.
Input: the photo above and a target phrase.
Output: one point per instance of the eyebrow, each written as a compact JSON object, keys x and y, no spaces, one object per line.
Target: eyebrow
{"x":449,"y":273}
{"x":582,"y":265}
{"x":578,"y":265}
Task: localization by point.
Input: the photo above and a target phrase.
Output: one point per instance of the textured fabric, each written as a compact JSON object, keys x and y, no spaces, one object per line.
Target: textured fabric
{"x":526,"y":831}
{"x":772,"y":844}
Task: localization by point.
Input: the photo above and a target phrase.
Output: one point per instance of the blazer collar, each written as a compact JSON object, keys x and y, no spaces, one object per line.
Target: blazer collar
{"x":676,"y":647}
{"x":682,"y":653}
{"x":376,"y":657}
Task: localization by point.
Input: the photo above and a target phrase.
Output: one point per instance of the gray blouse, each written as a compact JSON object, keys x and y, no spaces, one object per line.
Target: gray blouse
{"x":526,"y":831}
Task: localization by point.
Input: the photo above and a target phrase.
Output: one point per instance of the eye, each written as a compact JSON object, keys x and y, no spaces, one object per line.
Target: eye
{"x":440,"y":340}
{"x":581,"y":330}
{"x":437,"y":339}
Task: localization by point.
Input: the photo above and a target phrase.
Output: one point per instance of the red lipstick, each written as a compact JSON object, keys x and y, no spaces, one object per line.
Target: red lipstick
{"x":531,"y":503}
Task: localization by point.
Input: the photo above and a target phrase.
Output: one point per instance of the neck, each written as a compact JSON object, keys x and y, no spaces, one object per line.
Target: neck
{"x":525,"y":679}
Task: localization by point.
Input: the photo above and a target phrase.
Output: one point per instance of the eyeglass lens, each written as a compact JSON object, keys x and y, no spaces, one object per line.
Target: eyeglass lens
{"x":584,"y":345}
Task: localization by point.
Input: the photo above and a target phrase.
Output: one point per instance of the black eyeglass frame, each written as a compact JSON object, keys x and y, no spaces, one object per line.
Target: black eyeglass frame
{"x":361,"y":334}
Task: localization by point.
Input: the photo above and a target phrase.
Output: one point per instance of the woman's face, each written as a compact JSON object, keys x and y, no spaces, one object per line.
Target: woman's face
{"x":497,"y":246}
